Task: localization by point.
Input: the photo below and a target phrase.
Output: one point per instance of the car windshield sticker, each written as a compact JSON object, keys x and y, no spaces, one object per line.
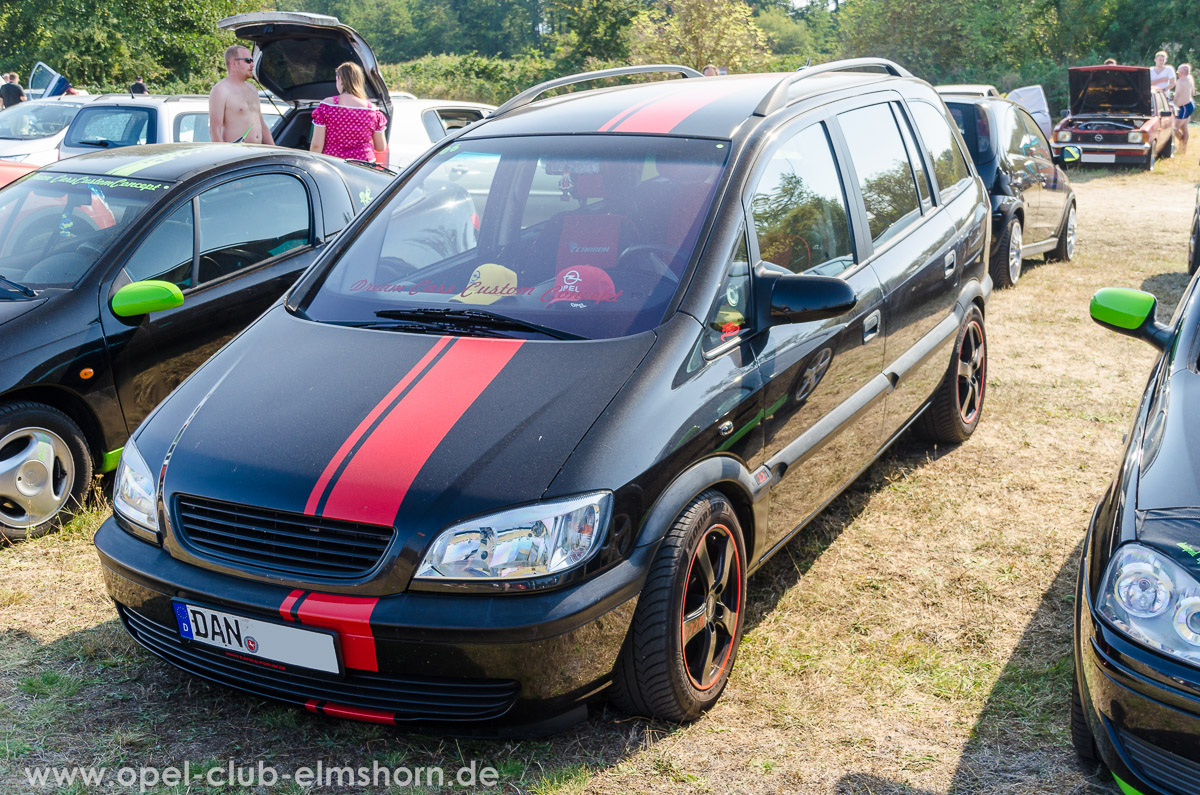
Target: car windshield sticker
{"x":580,"y":285}
{"x":99,"y":181}
{"x":364,"y":197}
{"x":489,"y":283}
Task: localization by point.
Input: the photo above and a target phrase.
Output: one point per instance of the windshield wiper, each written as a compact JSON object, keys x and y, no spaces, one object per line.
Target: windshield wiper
{"x":474,"y":317}
{"x":96,"y":142}
{"x":20,"y":288}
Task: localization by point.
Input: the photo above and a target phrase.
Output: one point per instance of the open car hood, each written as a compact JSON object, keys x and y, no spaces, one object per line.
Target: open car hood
{"x":295,"y":54}
{"x":1123,"y":90}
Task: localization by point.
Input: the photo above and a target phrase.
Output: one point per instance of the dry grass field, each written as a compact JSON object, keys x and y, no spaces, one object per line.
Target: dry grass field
{"x":915,"y":639}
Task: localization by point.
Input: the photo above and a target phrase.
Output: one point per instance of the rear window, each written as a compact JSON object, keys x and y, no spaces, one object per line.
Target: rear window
{"x":111,"y":126}
{"x":975,"y":129}
{"x":587,"y":235}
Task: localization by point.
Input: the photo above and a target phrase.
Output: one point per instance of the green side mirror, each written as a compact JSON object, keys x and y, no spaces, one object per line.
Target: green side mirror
{"x":141,"y":298}
{"x":1071,"y":154}
{"x":1130,"y":312}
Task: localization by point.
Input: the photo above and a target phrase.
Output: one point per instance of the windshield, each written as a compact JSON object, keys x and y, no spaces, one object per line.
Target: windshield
{"x":34,"y":119}
{"x":585,"y":235}
{"x":53,"y":227}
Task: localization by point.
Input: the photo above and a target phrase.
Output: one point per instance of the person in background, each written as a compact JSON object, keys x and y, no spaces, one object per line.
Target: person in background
{"x":1185,"y":105}
{"x":1162,"y":74}
{"x":11,"y":92}
{"x":348,"y":125}
{"x":709,"y":70}
{"x":138,"y":87}
{"x":234,"y":111}
{"x":1110,"y":61}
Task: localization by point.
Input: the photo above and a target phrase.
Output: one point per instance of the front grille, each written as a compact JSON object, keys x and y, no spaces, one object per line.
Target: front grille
{"x":288,"y":543}
{"x":409,"y":698}
{"x":1165,"y":770}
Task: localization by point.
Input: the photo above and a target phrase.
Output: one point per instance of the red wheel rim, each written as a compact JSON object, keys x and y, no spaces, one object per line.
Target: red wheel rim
{"x":711,"y":607}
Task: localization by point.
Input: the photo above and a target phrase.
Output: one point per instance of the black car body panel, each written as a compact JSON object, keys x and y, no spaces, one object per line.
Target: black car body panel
{"x":133,"y":363}
{"x":1016,"y":165}
{"x":339,"y":413}
{"x":1142,"y":704}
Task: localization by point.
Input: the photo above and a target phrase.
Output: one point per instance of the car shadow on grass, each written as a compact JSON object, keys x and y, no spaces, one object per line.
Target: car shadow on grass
{"x":1168,"y":289}
{"x":1020,"y":743}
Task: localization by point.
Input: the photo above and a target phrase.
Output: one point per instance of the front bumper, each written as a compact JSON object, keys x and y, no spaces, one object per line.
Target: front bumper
{"x":464,"y":661}
{"x":1143,"y":710}
{"x":1099,"y":153}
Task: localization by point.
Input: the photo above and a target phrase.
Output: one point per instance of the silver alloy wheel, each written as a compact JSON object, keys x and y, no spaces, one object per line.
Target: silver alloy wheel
{"x":1071,"y":232}
{"x":37,"y":472}
{"x":1014,"y":252}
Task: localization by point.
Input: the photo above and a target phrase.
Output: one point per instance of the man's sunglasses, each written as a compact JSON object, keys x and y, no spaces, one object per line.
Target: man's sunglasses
{"x":245,"y":60}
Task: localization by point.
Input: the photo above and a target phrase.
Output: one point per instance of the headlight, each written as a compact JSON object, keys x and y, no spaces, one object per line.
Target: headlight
{"x":1136,"y":137}
{"x":1153,"y":599}
{"x":1064,"y":136}
{"x":133,"y":494}
{"x":533,"y":541}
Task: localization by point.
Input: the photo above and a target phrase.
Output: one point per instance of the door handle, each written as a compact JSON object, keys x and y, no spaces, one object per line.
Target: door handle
{"x":871,"y":326}
{"x":948,"y":264}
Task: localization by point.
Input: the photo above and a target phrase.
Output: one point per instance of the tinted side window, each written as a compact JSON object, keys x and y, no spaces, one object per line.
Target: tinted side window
{"x":1033,"y":133}
{"x":730,"y":313}
{"x":799,"y":207}
{"x":884,"y":173}
{"x":1016,"y":136}
{"x":949,"y":165}
{"x":433,"y":125}
{"x":167,"y":252}
{"x":924,"y":178}
{"x":249,"y":220}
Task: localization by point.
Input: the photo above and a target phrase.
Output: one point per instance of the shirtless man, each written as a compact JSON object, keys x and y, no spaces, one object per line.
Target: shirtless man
{"x":234,"y":112}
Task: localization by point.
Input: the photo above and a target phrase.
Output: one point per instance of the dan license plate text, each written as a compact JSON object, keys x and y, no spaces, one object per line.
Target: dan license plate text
{"x":261,"y":640}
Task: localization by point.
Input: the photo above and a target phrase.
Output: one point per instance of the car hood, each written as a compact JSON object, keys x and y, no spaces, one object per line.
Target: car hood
{"x":12,"y":308}
{"x":1170,"y":460}
{"x":297,"y":53}
{"x":383,"y":427}
{"x":1110,"y":89}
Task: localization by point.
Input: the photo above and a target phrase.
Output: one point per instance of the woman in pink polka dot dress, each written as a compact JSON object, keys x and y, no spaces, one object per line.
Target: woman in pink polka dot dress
{"x":348,"y":125}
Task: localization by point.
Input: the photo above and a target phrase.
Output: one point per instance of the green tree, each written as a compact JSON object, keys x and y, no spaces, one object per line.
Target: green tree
{"x":785,"y":34}
{"x":597,"y":28}
{"x":698,"y":32}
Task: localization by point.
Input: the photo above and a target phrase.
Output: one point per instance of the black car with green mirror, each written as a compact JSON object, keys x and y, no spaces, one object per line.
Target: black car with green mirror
{"x":1135,"y":704}
{"x":123,"y":271}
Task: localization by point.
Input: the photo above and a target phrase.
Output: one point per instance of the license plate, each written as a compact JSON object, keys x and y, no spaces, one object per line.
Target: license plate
{"x":1099,"y":158}
{"x":255,"y":641}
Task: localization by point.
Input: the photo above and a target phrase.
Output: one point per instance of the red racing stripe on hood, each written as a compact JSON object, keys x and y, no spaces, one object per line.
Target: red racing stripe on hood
{"x":350,"y":616}
{"x":314,"y":499}
{"x":379,"y":474}
{"x":662,"y":115}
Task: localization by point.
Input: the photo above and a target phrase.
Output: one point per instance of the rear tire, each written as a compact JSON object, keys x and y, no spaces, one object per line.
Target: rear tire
{"x":1065,"y":249}
{"x":958,"y":402}
{"x":1006,"y":269}
{"x":683,"y":640}
{"x":45,"y":469}
{"x":1169,"y":149}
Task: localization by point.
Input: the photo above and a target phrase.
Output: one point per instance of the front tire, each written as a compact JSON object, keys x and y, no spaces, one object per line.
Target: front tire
{"x":45,"y":469}
{"x":958,"y":402}
{"x":1149,"y":161}
{"x":1169,"y":149}
{"x":1081,"y":734}
{"x":1065,"y":249}
{"x":683,"y":641}
{"x":1006,"y":269}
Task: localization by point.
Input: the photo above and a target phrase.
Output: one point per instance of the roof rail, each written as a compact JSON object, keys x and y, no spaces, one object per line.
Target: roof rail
{"x":778,"y":95}
{"x":530,"y":94}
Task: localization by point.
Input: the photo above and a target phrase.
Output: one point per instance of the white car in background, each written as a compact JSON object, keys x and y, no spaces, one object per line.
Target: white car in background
{"x":418,"y":124}
{"x":31,"y":131}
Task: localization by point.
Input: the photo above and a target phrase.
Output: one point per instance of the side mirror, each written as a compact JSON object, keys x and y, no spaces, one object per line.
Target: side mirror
{"x":1130,"y":312}
{"x":1069,"y":154}
{"x":797,"y":298}
{"x":141,"y":298}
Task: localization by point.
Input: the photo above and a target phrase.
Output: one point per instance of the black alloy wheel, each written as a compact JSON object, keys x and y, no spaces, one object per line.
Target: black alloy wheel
{"x":1006,"y":267}
{"x":957,"y":404}
{"x":688,"y":623}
